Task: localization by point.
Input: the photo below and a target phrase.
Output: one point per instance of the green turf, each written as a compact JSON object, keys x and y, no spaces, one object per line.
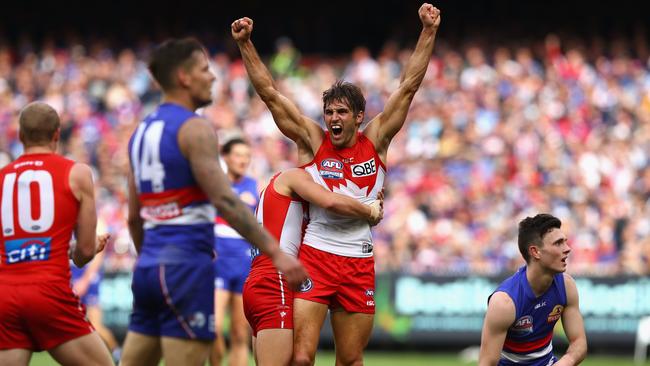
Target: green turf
{"x":403,"y":359}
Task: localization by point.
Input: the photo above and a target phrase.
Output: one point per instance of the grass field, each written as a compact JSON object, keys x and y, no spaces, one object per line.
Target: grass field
{"x":404,"y":359}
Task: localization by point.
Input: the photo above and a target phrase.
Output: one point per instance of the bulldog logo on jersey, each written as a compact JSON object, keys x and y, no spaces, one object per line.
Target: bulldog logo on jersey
{"x":555,"y":314}
{"x":364,"y":169}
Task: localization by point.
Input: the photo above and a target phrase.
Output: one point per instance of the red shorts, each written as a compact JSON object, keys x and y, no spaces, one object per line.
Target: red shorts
{"x":338,"y":281}
{"x":268,"y":302}
{"x":40,"y":317}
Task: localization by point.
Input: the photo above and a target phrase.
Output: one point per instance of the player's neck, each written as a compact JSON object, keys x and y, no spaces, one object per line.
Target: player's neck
{"x":181,"y":99}
{"x":39,"y":150}
{"x":538,"y":279}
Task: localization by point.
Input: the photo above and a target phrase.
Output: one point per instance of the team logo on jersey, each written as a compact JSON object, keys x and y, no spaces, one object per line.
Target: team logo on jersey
{"x":523,"y":325}
{"x":555,"y":314}
{"x":28,"y":250}
{"x":306,"y":286}
{"x":364,"y":169}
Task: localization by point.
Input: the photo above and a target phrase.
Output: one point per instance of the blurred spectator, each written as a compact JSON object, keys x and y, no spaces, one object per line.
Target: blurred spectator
{"x":497,"y":132}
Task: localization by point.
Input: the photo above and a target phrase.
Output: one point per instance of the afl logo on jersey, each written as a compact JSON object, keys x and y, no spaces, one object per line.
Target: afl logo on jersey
{"x":555,"y":314}
{"x":364,"y":169}
{"x":306,"y":286}
{"x":331,"y":169}
{"x":332,"y":164}
{"x":523,"y":325}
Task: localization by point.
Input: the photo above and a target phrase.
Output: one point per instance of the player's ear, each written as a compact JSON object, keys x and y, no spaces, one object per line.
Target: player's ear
{"x":182,"y":77}
{"x":534,"y":252}
{"x":359,"y":118}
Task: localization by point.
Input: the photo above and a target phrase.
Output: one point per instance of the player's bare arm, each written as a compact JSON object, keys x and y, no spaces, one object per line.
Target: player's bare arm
{"x":81,"y":184}
{"x":573,"y":326}
{"x":198,"y":143}
{"x":293,"y":124}
{"x":499,"y":317}
{"x":300,"y":182}
{"x":134,"y":220}
{"x":386,"y":124}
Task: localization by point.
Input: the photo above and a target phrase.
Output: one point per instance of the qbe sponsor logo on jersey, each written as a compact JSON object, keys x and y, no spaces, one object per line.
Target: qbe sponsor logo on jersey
{"x":27,"y":250}
{"x":523,"y":325}
{"x":364,"y":169}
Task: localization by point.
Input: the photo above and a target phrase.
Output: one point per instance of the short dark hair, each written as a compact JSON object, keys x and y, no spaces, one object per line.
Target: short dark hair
{"x":345,"y":92}
{"x":169,"y":56}
{"x":227,"y":147}
{"x":533,"y":229}
{"x":38,"y":123}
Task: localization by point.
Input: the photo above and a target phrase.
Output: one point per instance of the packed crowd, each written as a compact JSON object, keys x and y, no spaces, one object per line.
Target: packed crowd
{"x":494,"y":134}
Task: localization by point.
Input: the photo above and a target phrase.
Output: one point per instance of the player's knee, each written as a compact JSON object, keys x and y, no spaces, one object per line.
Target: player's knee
{"x":302,"y":359}
{"x":239,"y":336}
{"x":350,"y":359}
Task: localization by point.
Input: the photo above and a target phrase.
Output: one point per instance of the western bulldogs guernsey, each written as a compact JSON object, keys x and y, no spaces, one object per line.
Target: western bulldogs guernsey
{"x":357,"y":172}
{"x":228,"y":241}
{"x":178,"y":216}
{"x":38,"y":215}
{"x":283,"y":217}
{"x":529,"y":339}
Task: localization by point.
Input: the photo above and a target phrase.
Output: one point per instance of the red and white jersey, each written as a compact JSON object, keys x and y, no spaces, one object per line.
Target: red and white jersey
{"x":283,"y":217}
{"x":38,"y":214}
{"x":357,"y":172}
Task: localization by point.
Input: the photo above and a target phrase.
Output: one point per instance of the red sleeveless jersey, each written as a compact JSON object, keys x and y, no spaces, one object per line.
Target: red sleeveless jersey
{"x":356,"y":171}
{"x":38,"y":214}
{"x":283,"y":217}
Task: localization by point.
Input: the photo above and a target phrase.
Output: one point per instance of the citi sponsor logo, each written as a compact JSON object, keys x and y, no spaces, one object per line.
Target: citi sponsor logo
{"x":332,"y":164}
{"x":364,"y":169}
{"x":28,"y":250}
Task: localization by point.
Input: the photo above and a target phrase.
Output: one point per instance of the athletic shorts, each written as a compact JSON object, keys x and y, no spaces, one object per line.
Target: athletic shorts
{"x":338,"y":281}
{"x":268,"y":302}
{"x":174,"y":300}
{"x":231,"y":273}
{"x":40,"y":316}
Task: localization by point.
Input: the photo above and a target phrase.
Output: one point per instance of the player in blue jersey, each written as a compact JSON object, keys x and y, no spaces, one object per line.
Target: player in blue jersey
{"x":175,"y":182}
{"x":518,"y":326}
{"x":233,"y":260}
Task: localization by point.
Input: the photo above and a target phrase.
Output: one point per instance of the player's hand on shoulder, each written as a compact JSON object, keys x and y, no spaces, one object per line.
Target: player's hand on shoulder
{"x":429,"y":15}
{"x":291,"y":268}
{"x":241,"y":29}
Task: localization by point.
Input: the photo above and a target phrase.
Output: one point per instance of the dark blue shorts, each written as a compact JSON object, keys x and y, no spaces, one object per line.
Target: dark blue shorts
{"x":231,"y":273}
{"x":174,"y":300}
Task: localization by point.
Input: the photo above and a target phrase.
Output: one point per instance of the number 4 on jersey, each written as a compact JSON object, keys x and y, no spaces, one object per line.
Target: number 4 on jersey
{"x":147,"y":166}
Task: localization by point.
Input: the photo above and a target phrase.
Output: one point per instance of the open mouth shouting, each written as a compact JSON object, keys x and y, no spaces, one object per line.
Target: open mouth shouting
{"x":337,"y":130}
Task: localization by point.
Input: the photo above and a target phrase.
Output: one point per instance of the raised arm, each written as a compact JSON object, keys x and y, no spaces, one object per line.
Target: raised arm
{"x":573,"y":326}
{"x":81,"y":184}
{"x":385,"y":125}
{"x":499,"y":317}
{"x":302,"y":184}
{"x":199,"y":145}
{"x":293,"y":124}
